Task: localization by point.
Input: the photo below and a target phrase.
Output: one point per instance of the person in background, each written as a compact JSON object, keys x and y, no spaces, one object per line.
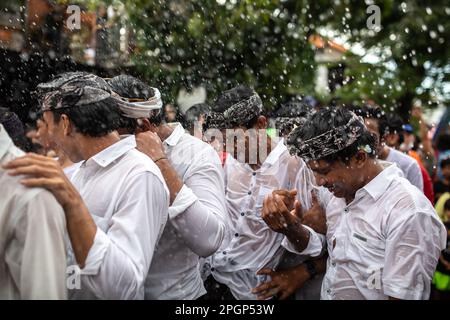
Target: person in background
{"x":443,"y":152}
{"x":441,"y":280}
{"x":194,"y":118}
{"x":15,"y":129}
{"x":172,"y":114}
{"x":442,"y":186}
{"x":374,"y":121}
{"x":425,"y":150}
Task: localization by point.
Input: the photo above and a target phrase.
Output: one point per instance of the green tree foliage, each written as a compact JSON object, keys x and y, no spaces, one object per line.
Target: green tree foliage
{"x":220,"y":44}
{"x":411,"y":46}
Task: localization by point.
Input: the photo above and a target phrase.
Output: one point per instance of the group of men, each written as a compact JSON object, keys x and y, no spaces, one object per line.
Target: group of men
{"x":147,"y":211}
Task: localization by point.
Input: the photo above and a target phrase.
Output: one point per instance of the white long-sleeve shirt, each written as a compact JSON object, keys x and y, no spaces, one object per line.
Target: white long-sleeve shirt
{"x":196,"y":220}
{"x":128,"y":199}
{"x":32,"y":229}
{"x":408,"y":165}
{"x":250,"y":244}
{"x":386,"y":242}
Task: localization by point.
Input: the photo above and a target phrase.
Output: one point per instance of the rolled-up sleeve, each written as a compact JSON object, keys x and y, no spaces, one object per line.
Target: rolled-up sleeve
{"x":198,"y":211}
{"x":120,"y":257}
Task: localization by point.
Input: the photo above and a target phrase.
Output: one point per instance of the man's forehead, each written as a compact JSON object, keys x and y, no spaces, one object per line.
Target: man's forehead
{"x":318,"y":164}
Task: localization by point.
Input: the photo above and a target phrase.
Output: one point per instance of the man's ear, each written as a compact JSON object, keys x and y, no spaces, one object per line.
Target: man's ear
{"x":68,"y":129}
{"x":359,"y":159}
{"x":262,"y":122}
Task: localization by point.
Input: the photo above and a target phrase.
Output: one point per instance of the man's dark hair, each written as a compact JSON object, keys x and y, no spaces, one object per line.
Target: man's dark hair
{"x":94,"y":120}
{"x":392,"y":124}
{"x":194,"y":112}
{"x":445,"y":162}
{"x":132,"y":88}
{"x":15,"y":129}
{"x":371,"y":112}
{"x":232,"y":96}
{"x":327,"y":119}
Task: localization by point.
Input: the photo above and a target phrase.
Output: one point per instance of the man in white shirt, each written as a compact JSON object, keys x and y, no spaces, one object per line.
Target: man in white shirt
{"x":32,"y":224}
{"x":375,"y":122}
{"x":116,"y":206}
{"x":194,"y":176}
{"x":247,"y":263}
{"x":383,"y":236}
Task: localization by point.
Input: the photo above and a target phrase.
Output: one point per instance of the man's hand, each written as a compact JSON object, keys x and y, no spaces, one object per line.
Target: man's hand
{"x":282,"y":284}
{"x":315,"y":217}
{"x":44,"y":172}
{"x":288,"y":197}
{"x":278,"y":217}
{"x":150,"y":144}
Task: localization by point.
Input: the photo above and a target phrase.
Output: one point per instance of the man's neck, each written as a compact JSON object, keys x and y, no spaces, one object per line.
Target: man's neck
{"x":90,"y":146}
{"x":259,"y":160}
{"x":164,"y":131}
{"x":384,"y":153}
{"x":372,"y":169}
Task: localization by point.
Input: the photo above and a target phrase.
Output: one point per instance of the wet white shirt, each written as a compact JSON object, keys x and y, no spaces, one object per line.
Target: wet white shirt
{"x":128,"y":199}
{"x":196,"y":224}
{"x":408,"y":165}
{"x":250,"y":244}
{"x":32,"y":229}
{"x":386,"y":242}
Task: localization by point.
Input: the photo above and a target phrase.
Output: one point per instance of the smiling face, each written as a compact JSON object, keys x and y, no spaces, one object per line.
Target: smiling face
{"x":341,"y":179}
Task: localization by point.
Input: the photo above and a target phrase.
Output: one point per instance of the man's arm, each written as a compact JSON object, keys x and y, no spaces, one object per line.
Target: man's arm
{"x":197,"y":208}
{"x":46,"y":173}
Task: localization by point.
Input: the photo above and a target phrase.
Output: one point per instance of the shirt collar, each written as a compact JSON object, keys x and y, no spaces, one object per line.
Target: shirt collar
{"x":275,"y":154}
{"x":113,"y":152}
{"x":176,"y":135}
{"x":5,"y":142}
{"x":378,"y":185}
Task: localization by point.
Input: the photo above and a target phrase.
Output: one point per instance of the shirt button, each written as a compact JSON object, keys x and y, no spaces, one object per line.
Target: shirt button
{"x":242,"y":214}
{"x":254,"y":173}
{"x":333,"y":264}
{"x":328,"y":291}
{"x":212,"y":269}
{"x":224,"y":252}
{"x":236,"y":234}
{"x":249,"y":193}
{"x":346,"y":210}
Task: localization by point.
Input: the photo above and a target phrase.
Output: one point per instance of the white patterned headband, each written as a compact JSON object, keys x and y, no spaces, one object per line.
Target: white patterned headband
{"x":329,"y":142}
{"x":139,"y":109}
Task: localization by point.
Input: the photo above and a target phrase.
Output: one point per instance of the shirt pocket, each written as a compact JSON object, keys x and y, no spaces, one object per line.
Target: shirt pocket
{"x":366,"y":249}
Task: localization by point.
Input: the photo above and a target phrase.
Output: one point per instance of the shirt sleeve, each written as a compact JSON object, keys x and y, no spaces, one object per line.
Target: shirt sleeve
{"x":120,"y":257}
{"x":413,"y":244}
{"x":40,"y":233}
{"x":198,"y":211}
{"x":414,"y":175}
{"x":313,"y":249}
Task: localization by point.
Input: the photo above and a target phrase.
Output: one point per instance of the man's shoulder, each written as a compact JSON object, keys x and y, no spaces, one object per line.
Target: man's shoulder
{"x":17,"y":196}
{"x":401,"y":196}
